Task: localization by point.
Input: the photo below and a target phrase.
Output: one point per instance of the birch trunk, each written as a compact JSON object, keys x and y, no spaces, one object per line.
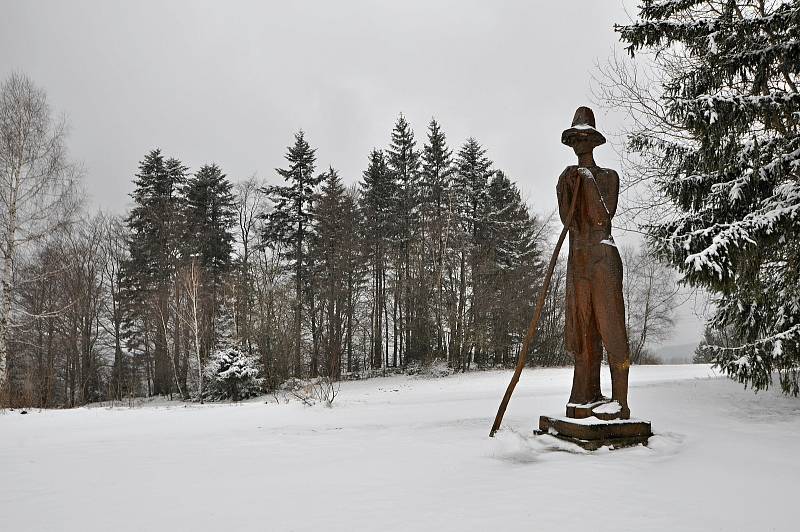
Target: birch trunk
{"x":7,"y":297}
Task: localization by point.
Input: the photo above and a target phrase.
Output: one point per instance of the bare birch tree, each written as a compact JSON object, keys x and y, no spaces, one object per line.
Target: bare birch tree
{"x":192,"y":314}
{"x":36,"y":185}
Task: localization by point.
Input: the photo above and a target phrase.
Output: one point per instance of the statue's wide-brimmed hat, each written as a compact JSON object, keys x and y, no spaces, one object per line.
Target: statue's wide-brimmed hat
{"x":583,"y":128}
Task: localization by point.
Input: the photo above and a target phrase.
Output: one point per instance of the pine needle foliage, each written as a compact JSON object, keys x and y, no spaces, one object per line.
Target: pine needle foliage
{"x":735,"y":180}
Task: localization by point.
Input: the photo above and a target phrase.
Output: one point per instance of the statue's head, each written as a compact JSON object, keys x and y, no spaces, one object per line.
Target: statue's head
{"x":582,"y":136}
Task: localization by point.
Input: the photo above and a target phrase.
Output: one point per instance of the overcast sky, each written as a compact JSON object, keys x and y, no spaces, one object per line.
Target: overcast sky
{"x":230,"y":82}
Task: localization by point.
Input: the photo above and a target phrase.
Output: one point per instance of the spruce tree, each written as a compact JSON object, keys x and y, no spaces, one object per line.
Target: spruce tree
{"x":155,"y":225}
{"x":289,"y":223}
{"x":332,"y":245}
{"x":403,"y":161}
{"x":733,"y":174}
{"x":437,"y":161}
{"x":511,"y":270}
{"x":208,"y":237}
{"x":376,"y":207}
{"x":155,"y":221}
{"x":472,"y":173}
{"x":353,"y":258}
{"x":210,"y":216}
{"x":437,"y":170}
{"x":230,"y":371}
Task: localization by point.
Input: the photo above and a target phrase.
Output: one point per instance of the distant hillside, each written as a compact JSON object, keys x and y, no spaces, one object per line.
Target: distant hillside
{"x":676,"y":354}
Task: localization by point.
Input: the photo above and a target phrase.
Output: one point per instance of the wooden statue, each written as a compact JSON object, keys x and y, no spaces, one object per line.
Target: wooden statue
{"x":595,"y":309}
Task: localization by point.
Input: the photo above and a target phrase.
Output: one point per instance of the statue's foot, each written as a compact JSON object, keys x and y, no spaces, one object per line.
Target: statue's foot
{"x":611,"y":410}
{"x":583,"y":409}
{"x":608,"y":410}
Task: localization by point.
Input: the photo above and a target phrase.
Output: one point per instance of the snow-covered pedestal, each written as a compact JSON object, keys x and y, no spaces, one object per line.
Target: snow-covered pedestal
{"x":592,"y":433}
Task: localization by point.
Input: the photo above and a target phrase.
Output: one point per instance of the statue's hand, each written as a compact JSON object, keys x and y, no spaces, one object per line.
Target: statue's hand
{"x":572,"y":176}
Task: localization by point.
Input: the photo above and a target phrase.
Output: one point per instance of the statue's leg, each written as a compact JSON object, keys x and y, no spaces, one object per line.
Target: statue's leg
{"x":609,"y":308}
{"x":594,"y":350}
{"x":572,"y":338}
{"x":577,"y":319}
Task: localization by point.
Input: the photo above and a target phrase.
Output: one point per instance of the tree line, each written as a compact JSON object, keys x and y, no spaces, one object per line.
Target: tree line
{"x":430,"y":256}
{"x":209,"y":288}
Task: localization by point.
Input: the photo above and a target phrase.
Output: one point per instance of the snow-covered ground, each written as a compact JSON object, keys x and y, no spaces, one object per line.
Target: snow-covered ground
{"x":406,"y":453}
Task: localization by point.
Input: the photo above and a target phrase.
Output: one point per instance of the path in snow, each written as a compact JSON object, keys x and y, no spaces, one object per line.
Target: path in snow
{"x":404,"y":453}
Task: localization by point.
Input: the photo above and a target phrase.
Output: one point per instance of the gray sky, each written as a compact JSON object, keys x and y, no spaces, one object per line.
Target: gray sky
{"x":230,"y":82}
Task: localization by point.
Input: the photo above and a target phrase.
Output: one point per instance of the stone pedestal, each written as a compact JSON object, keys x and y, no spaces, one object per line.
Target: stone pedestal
{"x":592,"y":433}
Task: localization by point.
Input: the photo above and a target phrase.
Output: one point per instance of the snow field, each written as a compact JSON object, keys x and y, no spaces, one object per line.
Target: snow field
{"x":408,"y":453}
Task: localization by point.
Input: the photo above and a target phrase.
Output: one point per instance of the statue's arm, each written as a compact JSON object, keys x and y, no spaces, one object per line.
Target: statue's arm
{"x":564,"y":194}
{"x":612,"y":196}
{"x":601,"y":195}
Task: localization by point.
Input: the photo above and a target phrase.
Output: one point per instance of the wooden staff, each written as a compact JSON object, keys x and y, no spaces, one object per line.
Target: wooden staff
{"x":523,"y":354}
